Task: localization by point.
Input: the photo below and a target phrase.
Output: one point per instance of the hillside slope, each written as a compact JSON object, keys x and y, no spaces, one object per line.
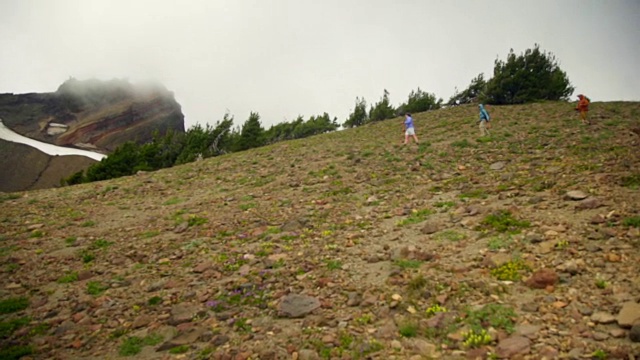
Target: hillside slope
{"x":346,"y":246}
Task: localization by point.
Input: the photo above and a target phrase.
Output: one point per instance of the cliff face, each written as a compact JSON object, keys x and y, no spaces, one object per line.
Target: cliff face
{"x":93,"y":114}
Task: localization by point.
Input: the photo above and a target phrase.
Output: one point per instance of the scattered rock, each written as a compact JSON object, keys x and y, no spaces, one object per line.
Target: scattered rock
{"x":497,"y":165}
{"x":588,"y":204}
{"x":202,"y":267}
{"x":297,"y":306}
{"x":430,"y":228}
{"x":542,"y":278}
{"x":602,"y":317}
{"x":512,"y":346}
{"x":182,"y":313}
{"x":575,"y":195}
{"x":186,"y":338}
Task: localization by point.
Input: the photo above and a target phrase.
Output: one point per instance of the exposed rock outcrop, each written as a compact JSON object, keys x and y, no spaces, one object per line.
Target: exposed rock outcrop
{"x":103,"y":114}
{"x":91,"y":115}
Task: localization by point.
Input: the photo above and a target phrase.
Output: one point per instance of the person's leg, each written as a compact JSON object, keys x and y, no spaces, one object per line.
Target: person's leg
{"x":415,"y":138}
{"x":482,"y":127}
{"x":583,"y":116}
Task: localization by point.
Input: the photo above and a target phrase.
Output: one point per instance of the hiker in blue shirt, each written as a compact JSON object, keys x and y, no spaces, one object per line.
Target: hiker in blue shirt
{"x":409,"y":129}
{"x":484,"y":121}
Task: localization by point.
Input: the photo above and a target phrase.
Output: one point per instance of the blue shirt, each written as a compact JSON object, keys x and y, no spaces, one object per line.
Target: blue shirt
{"x":408,"y":122}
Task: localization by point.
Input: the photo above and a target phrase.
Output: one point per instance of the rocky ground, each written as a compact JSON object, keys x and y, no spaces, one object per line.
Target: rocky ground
{"x":522,"y":245}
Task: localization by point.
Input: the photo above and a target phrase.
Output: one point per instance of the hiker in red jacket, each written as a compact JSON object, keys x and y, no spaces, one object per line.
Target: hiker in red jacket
{"x":583,"y":108}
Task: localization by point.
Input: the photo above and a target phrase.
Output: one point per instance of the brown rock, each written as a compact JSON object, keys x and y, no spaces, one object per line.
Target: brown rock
{"x":430,"y":228}
{"x":84,"y":275}
{"x":629,"y":314}
{"x":141,"y":321}
{"x":202,"y":267}
{"x":512,"y":346}
{"x":542,"y":278}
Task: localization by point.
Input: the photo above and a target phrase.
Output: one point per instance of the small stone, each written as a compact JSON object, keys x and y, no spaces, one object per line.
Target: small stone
{"x":497,"y":165}
{"x":430,"y":228}
{"x":602,"y":317}
{"x":575,"y":195}
{"x":617,"y":333}
{"x":588,"y":204}
{"x":354,"y":299}
{"x":202,"y":267}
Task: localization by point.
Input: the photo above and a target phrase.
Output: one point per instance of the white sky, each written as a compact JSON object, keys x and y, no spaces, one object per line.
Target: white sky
{"x":284,"y":58}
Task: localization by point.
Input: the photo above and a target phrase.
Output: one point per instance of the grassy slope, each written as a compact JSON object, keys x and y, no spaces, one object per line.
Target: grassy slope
{"x":353,"y":204}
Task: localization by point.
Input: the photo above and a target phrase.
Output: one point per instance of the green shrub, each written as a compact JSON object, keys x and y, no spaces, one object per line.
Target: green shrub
{"x":503,"y":221}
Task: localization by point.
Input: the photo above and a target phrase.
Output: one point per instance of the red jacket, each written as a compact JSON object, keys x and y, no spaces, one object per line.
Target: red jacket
{"x":583,"y":104}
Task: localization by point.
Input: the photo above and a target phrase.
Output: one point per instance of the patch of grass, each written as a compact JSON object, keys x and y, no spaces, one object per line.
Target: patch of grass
{"x":416,"y":216}
{"x":95,"y":288}
{"x":68,"y":278}
{"x":503,"y":221}
{"x":444,"y":204}
{"x":179,"y":349}
{"x":36,"y":234}
{"x":15,"y":352}
{"x":196,"y":220}
{"x":601,"y":284}
{"x":39,"y":329}
{"x":417,"y":283}
{"x":12,"y":267}
{"x":496,"y":243}
{"x":156,"y":300}
{"x":599,"y":355}
{"x":14,"y":304}
{"x":87,"y":256}
{"x":172,"y":201}
{"x":100,"y":244}
{"x":408,"y":264}
{"x":10,"y":326}
{"x":496,"y":315}
{"x":450,"y":235}
{"x":70,"y":241}
{"x":464,"y":143}
{"x":6,"y":197}
{"x":334,"y":264}
{"x":88,"y":223}
{"x":247,"y":206}
{"x":631,"y":181}
{"x":149,"y":234}
{"x":633,"y":221}
{"x":133,"y":345}
{"x":408,"y":330}
{"x":337,"y":192}
{"x":510,"y":271}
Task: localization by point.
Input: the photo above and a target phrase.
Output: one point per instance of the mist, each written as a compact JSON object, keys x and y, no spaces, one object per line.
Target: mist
{"x":288,"y":58}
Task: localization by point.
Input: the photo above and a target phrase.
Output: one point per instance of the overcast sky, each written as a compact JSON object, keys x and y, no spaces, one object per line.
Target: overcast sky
{"x":284,"y":58}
